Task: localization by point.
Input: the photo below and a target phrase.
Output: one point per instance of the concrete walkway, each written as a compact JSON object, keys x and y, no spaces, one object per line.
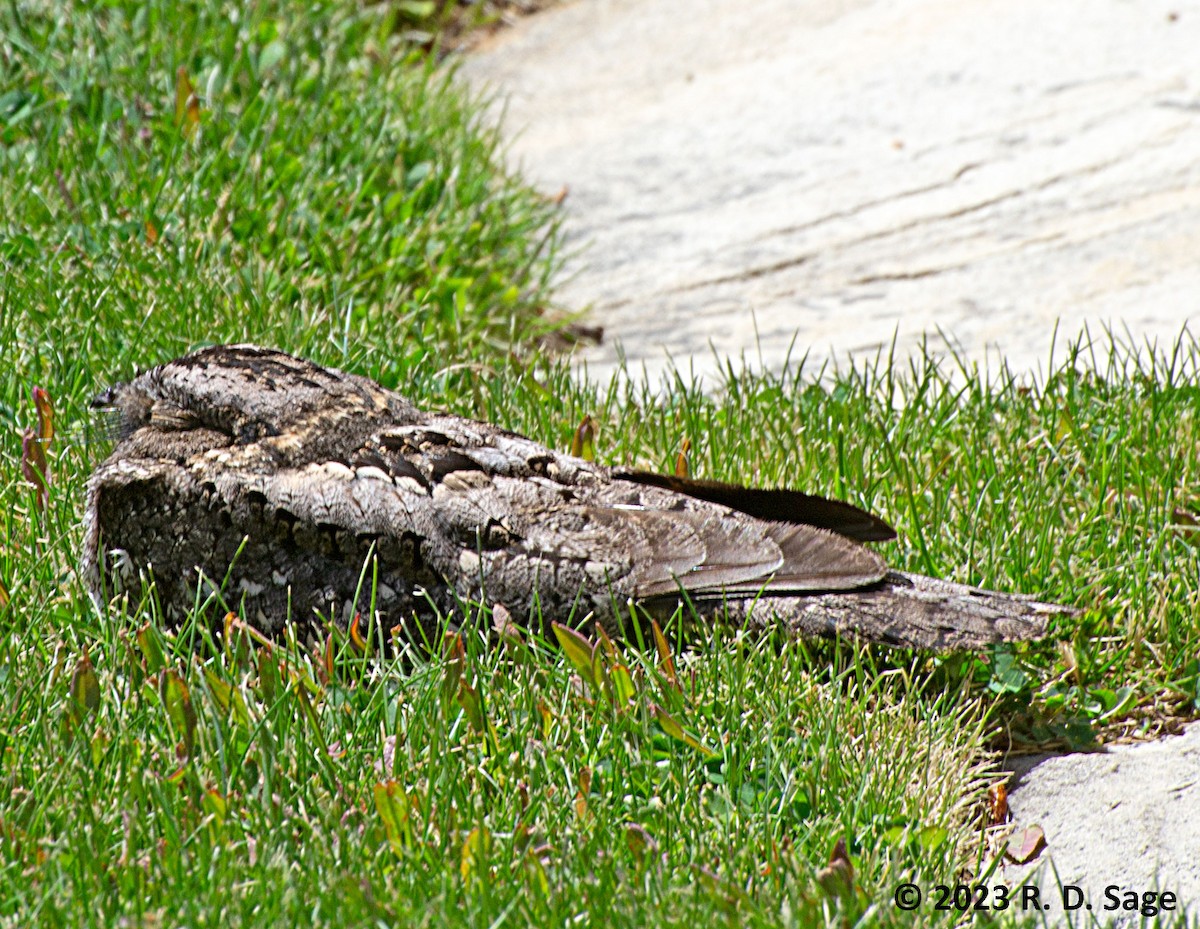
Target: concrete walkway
{"x":740,"y":173}
{"x":745,"y":173}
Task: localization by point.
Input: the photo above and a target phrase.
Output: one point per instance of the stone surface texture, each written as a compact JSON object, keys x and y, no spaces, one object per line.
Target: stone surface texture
{"x":1128,"y":817}
{"x":840,"y":172}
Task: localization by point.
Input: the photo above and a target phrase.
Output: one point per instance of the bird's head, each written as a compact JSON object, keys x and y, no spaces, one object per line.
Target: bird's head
{"x":235,"y":395}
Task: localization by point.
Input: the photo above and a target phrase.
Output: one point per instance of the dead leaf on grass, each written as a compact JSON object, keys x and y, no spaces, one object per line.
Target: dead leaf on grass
{"x":837,"y":879}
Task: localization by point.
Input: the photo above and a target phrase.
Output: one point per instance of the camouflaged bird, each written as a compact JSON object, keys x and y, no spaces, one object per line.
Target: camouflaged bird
{"x":296,"y":492}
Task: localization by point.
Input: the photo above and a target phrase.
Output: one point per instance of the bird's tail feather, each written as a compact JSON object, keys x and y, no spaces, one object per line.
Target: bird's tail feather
{"x":907,"y":611}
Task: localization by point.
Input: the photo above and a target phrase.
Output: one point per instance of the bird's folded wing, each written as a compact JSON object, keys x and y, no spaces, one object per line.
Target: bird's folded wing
{"x":773,"y":504}
{"x":702,"y":549}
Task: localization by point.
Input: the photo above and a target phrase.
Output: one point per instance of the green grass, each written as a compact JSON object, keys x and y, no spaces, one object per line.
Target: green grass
{"x":322,"y":187}
{"x":329,"y":194}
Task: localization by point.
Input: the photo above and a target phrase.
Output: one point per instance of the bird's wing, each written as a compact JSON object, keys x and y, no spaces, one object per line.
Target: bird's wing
{"x":531,"y":511}
{"x":706,"y":552}
{"x":653,"y":546}
{"x":773,"y":504}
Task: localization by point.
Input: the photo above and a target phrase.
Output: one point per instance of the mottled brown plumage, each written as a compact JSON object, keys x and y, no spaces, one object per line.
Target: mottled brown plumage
{"x":293,"y":491}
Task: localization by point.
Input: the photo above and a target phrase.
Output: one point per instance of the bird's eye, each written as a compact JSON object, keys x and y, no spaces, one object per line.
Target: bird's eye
{"x":105,"y":400}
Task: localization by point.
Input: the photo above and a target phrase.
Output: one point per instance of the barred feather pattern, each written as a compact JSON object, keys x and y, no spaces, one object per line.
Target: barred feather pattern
{"x":293,"y":492}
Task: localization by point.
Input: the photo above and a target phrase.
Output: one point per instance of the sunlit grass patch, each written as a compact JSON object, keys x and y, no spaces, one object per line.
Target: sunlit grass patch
{"x":703,"y":776}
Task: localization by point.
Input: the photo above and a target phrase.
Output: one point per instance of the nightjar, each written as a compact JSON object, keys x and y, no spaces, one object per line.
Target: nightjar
{"x":272,"y":486}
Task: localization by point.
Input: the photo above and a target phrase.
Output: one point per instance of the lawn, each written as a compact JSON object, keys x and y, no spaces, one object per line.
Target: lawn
{"x":173,"y":175}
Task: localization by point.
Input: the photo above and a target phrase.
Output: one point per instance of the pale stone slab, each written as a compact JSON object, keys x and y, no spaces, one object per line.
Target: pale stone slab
{"x":742,"y":174}
{"x":1119,"y":821}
